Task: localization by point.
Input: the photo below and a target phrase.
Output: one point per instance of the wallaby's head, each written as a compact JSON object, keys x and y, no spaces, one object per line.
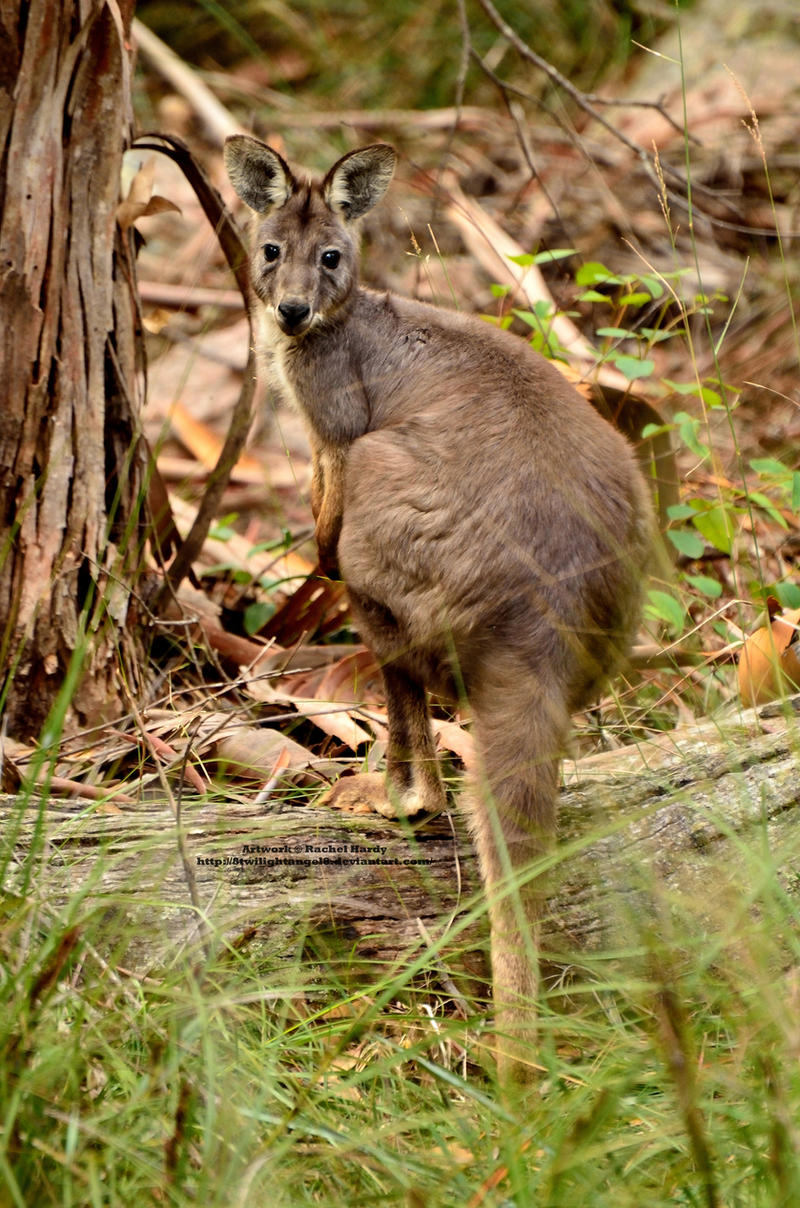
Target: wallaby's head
{"x":304,"y":264}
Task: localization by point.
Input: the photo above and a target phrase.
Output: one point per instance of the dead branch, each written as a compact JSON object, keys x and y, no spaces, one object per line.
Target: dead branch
{"x":676,"y":816}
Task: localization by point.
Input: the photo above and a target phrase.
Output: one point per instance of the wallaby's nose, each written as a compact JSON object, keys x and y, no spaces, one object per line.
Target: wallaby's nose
{"x":292,"y":316}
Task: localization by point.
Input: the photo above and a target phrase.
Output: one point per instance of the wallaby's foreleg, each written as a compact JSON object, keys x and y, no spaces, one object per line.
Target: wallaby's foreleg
{"x":520,"y":727}
{"x":327,"y":503}
{"x":412,"y":783}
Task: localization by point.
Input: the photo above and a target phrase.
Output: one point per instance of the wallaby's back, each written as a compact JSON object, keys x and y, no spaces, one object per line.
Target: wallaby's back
{"x":491,"y":528}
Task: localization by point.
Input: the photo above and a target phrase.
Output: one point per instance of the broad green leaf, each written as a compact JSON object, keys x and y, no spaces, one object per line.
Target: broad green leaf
{"x":656,"y":335}
{"x":256,"y":616}
{"x":769,"y":507}
{"x":621,"y":333}
{"x":680,"y":511}
{"x":663,"y":607}
{"x":691,"y":545}
{"x":542,"y":313}
{"x":653,"y":285}
{"x":632,"y":367}
{"x":556,"y":253}
{"x":716,"y":526}
{"x":592,"y":295}
{"x":656,"y":430}
{"x":682,"y":387}
{"x":788,"y":594}
{"x":796,"y":491}
{"x":706,"y":585}
{"x":711,"y":398}
{"x":594,"y":273}
{"x":769,"y":467}
{"x":635,"y":299}
{"x":687,"y":430}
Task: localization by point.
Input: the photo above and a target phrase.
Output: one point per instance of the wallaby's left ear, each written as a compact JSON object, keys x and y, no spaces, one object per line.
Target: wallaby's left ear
{"x":359,"y":180}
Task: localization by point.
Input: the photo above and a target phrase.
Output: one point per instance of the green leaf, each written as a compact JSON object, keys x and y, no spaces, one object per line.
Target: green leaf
{"x":656,"y":430}
{"x":634,"y":299}
{"x":542,"y":312}
{"x":655,"y":335}
{"x":663,"y":607}
{"x":686,"y":543}
{"x":687,"y":430}
{"x":682,"y":387}
{"x":592,"y":295}
{"x":711,"y":398}
{"x":556,"y":253}
{"x":500,"y":291}
{"x":788,"y":594}
{"x":614,"y":333}
{"x":632,"y":367}
{"x":680,"y":511}
{"x":595,"y":273}
{"x":256,"y":616}
{"x":769,"y":467}
{"x":768,"y":506}
{"x":716,"y":526}
{"x":796,"y":491}
{"x":706,"y":585}
{"x":653,"y":285}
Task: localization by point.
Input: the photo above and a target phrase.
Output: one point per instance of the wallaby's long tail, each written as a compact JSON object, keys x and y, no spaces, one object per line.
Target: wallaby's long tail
{"x":520,"y":725}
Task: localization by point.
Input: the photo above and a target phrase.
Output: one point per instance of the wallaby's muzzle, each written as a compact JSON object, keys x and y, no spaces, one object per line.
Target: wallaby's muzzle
{"x":294,"y":317}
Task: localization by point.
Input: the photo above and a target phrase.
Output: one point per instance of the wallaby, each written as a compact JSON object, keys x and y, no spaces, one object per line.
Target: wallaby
{"x":491,"y":529}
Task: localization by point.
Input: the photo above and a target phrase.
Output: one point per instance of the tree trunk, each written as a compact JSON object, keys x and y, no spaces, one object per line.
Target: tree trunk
{"x":682,"y":820}
{"x":69,"y":478}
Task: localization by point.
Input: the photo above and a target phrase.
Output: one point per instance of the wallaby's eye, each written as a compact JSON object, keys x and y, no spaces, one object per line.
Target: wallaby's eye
{"x":271,"y":252}
{"x":331,"y":258}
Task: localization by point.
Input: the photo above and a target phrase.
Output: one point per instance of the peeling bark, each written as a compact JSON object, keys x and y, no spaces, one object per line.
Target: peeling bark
{"x":68,"y":346}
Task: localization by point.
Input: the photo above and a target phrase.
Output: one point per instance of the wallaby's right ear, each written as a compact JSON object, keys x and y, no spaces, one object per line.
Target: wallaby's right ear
{"x":258,"y":174}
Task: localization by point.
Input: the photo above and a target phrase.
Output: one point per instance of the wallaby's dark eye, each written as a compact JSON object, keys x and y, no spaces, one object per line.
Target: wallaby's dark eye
{"x":271,"y":252}
{"x":331,"y":258}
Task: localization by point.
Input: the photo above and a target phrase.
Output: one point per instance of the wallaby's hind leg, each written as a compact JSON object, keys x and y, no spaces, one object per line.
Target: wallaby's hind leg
{"x":520,"y":727}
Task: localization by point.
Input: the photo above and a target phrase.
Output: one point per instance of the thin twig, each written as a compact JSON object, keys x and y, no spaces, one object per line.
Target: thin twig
{"x":233,"y":247}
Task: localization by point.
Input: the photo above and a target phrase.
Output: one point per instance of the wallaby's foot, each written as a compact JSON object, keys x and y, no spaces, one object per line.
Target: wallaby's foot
{"x":357,"y":794}
{"x":367,"y":793}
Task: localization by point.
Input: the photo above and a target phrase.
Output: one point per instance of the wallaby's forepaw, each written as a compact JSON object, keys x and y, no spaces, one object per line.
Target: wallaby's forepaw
{"x":367,"y":793}
{"x":328,"y":568}
{"x":327,"y":558}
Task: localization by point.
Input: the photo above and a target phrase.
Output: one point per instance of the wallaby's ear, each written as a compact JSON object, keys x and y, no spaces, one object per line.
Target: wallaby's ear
{"x":258,"y":174}
{"x":359,"y":180}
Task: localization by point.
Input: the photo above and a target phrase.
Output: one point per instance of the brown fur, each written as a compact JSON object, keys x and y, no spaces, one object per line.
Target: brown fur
{"x":491,"y":528}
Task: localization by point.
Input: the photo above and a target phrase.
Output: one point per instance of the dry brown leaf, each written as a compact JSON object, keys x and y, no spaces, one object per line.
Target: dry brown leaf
{"x":769,"y":663}
{"x":335,"y":720}
{"x":258,"y":751}
{"x":453,"y":737}
{"x":344,"y":679}
{"x":141,"y":202}
{"x":206,"y":445}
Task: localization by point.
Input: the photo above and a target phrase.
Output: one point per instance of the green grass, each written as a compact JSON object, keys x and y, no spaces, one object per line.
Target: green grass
{"x":670,"y":1071}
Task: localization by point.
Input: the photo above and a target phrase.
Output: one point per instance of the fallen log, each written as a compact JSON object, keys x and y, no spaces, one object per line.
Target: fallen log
{"x":679,"y":820}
